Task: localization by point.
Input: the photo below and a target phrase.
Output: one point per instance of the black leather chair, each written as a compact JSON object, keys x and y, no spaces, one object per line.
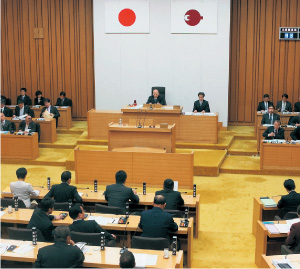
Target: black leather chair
{"x":13,"y":126}
{"x":285,"y":250}
{"x":149,"y":243}
{"x":104,"y":209}
{"x":175,"y":213}
{"x":61,"y":206}
{"x":24,"y":234}
{"x":10,"y":201}
{"x":162,"y":91}
{"x":287,"y":216}
{"x":93,"y":239}
{"x":38,"y":129}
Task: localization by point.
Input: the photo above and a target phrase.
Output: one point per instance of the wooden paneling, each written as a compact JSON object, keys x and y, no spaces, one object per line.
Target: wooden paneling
{"x":259,"y":62}
{"x":62,"y":60}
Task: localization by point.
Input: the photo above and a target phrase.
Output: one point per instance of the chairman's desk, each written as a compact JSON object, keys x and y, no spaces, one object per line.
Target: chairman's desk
{"x":23,"y":216}
{"x":25,"y":147}
{"x":146,"y":201}
{"x":47,"y":126}
{"x":131,"y":136}
{"x":279,"y":156}
{"x":65,"y":119}
{"x":189,"y":128}
{"x":267,"y":260}
{"x":108,"y":258}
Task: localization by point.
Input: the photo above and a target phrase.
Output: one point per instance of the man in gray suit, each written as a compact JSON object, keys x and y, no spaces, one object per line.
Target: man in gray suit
{"x":284,"y":104}
{"x":6,"y":125}
{"x":270,"y":117}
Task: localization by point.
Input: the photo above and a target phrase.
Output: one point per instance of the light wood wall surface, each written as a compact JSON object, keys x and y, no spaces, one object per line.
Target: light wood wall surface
{"x":259,"y":62}
{"x":62,"y":60}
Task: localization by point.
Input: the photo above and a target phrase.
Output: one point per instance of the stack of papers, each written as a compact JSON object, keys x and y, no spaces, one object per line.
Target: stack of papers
{"x":2,"y":213}
{"x":282,"y":228}
{"x":290,"y":222}
{"x":4,"y":132}
{"x":271,"y":228}
{"x":3,"y":248}
{"x":64,"y":106}
{"x":143,"y":260}
{"x":267,"y":202}
{"x":23,"y":249}
{"x":104,"y":220}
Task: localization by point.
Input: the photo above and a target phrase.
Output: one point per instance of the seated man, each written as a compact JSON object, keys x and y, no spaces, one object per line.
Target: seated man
{"x":270,"y":117}
{"x":21,"y":110}
{"x":155,"y":98}
{"x":62,"y":254}
{"x":64,"y":192}
{"x":6,"y":125}
{"x":22,"y":189}
{"x":295,"y":121}
{"x":51,"y":109}
{"x":284,"y":104}
{"x":293,"y":238}
{"x":156,"y":222}
{"x":5,"y":110}
{"x":289,"y":202}
{"x":295,"y":135}
{"x":173,"y":198}
{"x":39,"y":99}
{"x":118,"y":194}
{"x":27,"y":125}
{"x":88,"y":226}
{"x":63,"y":100}
{"x":127,"y":260}
{"x":42,"y":220}
{"x":23,"y":97}
{"x":274,"y":132}
{"x":201,"y":105}
{"x":297,"y":106}
{"x":264,"y":105}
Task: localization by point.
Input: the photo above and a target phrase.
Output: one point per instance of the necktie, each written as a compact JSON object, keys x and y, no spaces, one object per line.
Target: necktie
{"x":266,"y":105}
{"x":283,"y":106}
{"x":275,"y":131}
{"x":271,"y":119}
{"x":2,"y":125}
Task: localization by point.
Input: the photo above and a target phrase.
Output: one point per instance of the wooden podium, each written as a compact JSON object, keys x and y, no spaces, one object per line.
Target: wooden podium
{"x":131,"y":136}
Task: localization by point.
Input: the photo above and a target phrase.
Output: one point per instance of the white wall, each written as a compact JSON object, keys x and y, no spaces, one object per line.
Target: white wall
{"x":128,"y":65}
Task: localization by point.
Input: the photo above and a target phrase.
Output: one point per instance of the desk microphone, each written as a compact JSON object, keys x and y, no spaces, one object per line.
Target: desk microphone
{"x":123,"y":249}
{"x":83,"y":188}
{"x":129,"y":241}
{"x":38,"y":187}
{"x":144,"y":119}
{"x":183,"y":192}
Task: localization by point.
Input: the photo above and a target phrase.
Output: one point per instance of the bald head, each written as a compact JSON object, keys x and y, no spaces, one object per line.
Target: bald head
{"x":159,"y":201}
{"x":155,"y":93}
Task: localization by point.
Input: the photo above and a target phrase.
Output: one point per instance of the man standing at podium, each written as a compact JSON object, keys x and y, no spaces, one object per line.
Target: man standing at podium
{"x":156,"y":98}
{"x":201,"y":105}
{"x":274,"y":132}
{"x":270,"y":117}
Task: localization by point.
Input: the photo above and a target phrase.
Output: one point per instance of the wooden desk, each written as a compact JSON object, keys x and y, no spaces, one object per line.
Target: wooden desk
{"x":103,"y":165}
{"x":261,"y":130}
{"x":146,"y":201}
{"x":48,"y":129}
{"x":131,"y":136}
{"x":155,"y":110}
{"x":267,"y":260}
{"x":65,"y":119}
{"x":189,"y":128}
{"x":25,"y":147}
{"x":267,"y":243}
{"x":262,"y":213}
{"x":23,"y":216}
{"x":94,"y":257}
{"x":279,"y":156}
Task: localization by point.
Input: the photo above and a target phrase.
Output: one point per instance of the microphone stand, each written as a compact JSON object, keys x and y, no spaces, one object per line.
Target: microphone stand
{"x":123,"y":249}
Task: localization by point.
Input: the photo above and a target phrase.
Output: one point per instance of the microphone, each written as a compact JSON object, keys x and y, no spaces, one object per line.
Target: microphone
{"x":123,"y":249}
{"x":129,"y":241}
{"x":83,"y":188}
{"x":183,"y":192}
{"x":38,"y":187}
{"x":144,"y":119}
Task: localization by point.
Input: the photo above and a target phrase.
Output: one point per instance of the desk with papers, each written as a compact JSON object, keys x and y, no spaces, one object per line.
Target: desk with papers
{"x":292,"y":259}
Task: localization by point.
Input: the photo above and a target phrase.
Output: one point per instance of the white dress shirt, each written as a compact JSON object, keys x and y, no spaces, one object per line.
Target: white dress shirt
{"x":22,"y":111}
{"x":23,"y":190}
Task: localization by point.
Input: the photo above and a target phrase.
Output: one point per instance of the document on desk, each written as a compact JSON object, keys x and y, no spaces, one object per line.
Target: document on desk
{"x":282,"y":228}
{"x":103,"y":220}
{"x":80,"y":193}
{"x":2,"y":213}
{"x":272,"y":228}
{"x":23,"y":249}
{"x":3,"y":248}
{"x":290,"y":222}
{"x":143,"y":260}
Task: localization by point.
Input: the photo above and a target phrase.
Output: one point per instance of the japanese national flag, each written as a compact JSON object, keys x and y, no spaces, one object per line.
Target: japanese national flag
{"x":194,"y":17}
{"x":127,"y":16}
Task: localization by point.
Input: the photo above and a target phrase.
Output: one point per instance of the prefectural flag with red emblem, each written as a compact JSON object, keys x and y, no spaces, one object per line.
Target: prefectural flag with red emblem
{"x":194,"y":17}
{"x":127,"y":16}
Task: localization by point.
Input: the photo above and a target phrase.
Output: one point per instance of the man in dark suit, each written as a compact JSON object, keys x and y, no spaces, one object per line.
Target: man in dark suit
{"x":63,"y":100}
{"x":127,"y":260}
{"x":21,"y":110}
{"x":173,"y":198}
{"x":270,"y":117}
{"x":297,"y":106}
{"x":295,"y":135}
{"x":264,"y":105}
{"x":201,"y":105}
{"x":5,"y":110}
{"x":284,"y":104}
{"x":23,"y":97}
{"x":289,"y":202}
{"x":88,"y":226}
{"x":27,"y":125}
{"x":295,"y":120}
{"x":6,"y":125}
{"x":39,"y":99}
{"x":156,"y":222}
{"x":64,"y":192}
{"x":51,"y":109}
{"x":274,"y":132}
{"x":118,"y":194}
{"x":42,"y":218}
{"x":62,"y":254}
{"x":155,"y":98}
{"x":293,"y":239}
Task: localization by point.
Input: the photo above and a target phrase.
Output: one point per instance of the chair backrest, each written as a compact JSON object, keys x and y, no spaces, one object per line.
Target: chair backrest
{"x":149,"y":243}
{"x":13,"y":126}
{"x":38,"y":129}
{"x":24,"y":234}
{"x":61,"y":206}
{"x":7,"y":101}
{"x":89,"y":238}
{"x":162,"y":91}
{"x":10,"y":201}
{"x":108,"y":209}
{"x":175,"y":213}
{"x":290,"y":215}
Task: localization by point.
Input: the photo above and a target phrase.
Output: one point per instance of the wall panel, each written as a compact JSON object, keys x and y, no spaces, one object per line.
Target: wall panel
{"x":259,"y":62}
{"x":62,"y":60}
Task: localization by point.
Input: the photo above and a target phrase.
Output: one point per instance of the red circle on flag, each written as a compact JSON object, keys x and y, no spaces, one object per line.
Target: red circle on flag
{"x":127,"y":17}
{"x":192,"y":17}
